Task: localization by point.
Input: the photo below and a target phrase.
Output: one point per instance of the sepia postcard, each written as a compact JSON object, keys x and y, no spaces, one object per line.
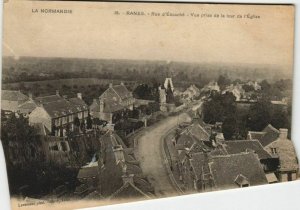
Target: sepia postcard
{"x":113,"y":102}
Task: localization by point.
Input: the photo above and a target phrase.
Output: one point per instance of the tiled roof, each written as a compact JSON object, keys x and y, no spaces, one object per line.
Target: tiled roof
{"x":60,"y":108}
{"x":238,"y":146}
{"x":225,"y":170}
{"x":79,"y":103}
{"x":286,"y":153}
{"x":47,"y":99}
{"x":13,"y":95}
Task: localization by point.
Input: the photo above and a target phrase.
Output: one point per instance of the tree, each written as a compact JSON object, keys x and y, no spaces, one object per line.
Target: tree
{"x":229,"y":127}
{"x":259,"y":115}
{"x":223,"y":81}
{"x":248,"y":88}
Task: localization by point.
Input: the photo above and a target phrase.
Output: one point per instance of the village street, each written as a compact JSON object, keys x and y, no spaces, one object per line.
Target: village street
{"x":149,"y":152}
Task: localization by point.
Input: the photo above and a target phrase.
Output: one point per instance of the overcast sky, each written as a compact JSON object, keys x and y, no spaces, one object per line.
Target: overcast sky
{"x":92,"y":31}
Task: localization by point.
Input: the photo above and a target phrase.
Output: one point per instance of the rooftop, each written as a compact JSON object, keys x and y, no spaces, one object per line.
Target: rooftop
{"x":226,"y":169}
{"x":238,"y":146}
{"x":13,"y":95}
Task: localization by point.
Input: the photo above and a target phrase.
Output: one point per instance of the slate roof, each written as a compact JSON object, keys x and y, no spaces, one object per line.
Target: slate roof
{"x":122,"y":91}
{"x":266,"y":136}
{"x":225,"y":170}
{"x":286,"y":153}
{"x":270,"y":136}
{"x":186,"y":140}
{"x":256,"y":135}
{"x":238,"y":146}
{"x":194,"y":133}
{"x":13,"y":95}
{"x":111,"y":105}
{"x":111,"y":99}
{"x":198,"y":132}
{"x":27,"y":106}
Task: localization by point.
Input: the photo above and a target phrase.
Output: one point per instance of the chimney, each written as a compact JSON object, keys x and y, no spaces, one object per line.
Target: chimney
{"x":57,"y":92}
{"x":110,"y":85}
{"x":101,"y":104}
{"x":79,"y":95}
{"x":122,"y":83}
{"x":30,"y":96}
{"x":283,"y":132}
{"x":119,"y":153}
{"x":128,"y":178}
{"x":94,"y":100}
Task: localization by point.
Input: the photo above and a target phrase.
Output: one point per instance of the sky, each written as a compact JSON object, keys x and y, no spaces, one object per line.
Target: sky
{"x":93,"y":31}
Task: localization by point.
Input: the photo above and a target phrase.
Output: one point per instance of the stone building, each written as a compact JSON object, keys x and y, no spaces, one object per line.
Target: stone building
{"x":58,"y":115}
{"x":11,"y":100}
{"x":115,"y":100}
{"x":283,"y":148}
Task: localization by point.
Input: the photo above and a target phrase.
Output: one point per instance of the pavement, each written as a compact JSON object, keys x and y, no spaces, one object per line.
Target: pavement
{"x":149,"y":152}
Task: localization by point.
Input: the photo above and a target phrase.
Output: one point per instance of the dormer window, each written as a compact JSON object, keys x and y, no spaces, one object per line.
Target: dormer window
{"x":242,"y":181}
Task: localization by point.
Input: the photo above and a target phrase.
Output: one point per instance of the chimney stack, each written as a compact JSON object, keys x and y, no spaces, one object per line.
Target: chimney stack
{"x":79,"y":95}
{"x":110,"y":85}
{"x":122,"y":83}
{"x":283,"y":132}
{"x":101,"y":104}
{"x":57,"y":92}
{"x":128,"y":178}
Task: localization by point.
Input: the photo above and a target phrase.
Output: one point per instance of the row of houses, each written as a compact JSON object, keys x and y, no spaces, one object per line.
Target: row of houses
{"x":207,"y":162}
{"x":58,"y":114}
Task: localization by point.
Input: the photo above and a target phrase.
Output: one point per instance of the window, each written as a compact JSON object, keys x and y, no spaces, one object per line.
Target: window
{"x":274,"y":150}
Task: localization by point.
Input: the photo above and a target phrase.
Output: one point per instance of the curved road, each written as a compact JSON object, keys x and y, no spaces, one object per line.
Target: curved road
{"x":149,"y":153}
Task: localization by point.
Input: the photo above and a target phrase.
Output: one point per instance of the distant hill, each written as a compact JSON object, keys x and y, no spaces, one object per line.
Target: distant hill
{"x":34,"y":68}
